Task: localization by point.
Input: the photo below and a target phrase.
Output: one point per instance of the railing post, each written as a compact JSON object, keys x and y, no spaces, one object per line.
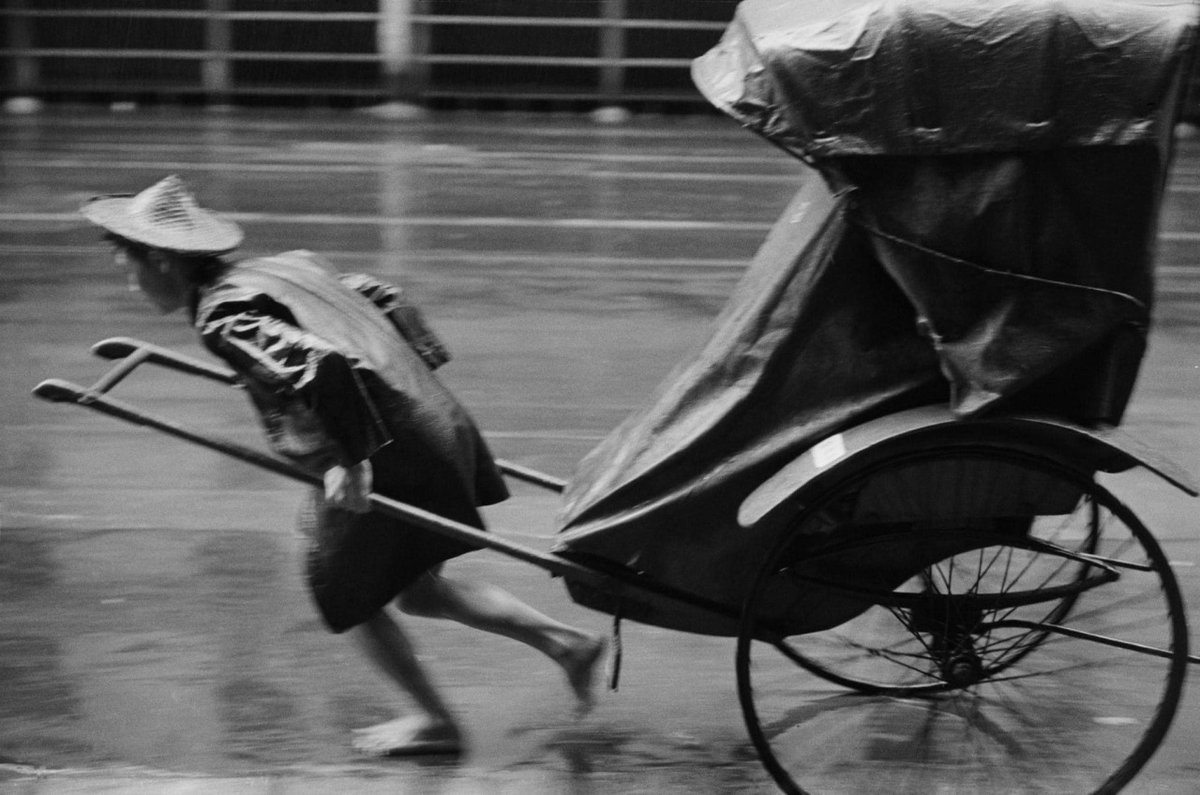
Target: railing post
{"x":400,"y":43}
{"x":612,"y":74}
{"x":218,"y":42}
{"x":24,"y":72}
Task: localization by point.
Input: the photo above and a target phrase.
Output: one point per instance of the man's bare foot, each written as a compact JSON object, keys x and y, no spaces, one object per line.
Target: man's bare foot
{"x":579,"y":664}
{"x":409,"y":736}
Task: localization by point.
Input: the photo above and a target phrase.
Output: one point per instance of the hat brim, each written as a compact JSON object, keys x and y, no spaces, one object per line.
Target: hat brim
{"x":209,"y":235}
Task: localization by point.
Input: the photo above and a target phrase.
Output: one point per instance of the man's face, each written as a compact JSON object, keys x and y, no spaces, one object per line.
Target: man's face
{"x":154,"y":274}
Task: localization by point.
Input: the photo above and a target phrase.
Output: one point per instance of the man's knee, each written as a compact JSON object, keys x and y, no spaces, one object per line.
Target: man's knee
{"x":423,"y":598}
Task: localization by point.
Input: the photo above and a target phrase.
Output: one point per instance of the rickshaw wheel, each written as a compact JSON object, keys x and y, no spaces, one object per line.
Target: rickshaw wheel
{"x":1043,"y":653}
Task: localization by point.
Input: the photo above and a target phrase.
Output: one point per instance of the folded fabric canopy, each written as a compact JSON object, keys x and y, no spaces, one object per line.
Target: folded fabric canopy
{"x":978,"y":231}
{"x":829,"y":78}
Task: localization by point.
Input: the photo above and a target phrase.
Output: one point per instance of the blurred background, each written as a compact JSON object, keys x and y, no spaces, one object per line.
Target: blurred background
{"x":485,"y":54}
{"x":545,"y":180}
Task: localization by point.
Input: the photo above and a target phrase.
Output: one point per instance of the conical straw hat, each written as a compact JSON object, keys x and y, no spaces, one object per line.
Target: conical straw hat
{"x":166,"y":216}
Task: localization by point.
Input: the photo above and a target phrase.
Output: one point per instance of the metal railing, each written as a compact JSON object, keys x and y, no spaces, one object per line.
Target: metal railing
{"x":595,"y":52}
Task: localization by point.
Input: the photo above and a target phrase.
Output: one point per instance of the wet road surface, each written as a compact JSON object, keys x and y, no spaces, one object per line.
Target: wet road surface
{"x":154,"y":632}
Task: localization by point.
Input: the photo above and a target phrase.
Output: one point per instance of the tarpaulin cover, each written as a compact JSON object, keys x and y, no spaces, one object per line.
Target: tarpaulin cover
{"x":979,"y":231}
{"x":845,"y":77}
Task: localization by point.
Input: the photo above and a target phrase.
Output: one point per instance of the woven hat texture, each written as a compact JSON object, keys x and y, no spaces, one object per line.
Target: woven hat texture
{"x":166,"y":216}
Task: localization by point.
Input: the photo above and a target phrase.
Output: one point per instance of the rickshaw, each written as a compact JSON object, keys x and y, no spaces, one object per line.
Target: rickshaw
{"x":885,"y":473}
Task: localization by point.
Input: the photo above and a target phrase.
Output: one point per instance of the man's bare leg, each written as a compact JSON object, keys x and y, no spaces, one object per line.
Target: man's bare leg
{"x":491,"y":609}
{"x":433,"y":730}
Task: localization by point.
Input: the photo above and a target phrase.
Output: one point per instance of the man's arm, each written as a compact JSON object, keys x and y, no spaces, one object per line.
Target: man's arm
{"x":254,"y":335}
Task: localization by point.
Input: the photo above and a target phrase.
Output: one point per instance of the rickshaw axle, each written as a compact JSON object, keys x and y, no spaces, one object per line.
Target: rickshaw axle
{"x":951,"y":628}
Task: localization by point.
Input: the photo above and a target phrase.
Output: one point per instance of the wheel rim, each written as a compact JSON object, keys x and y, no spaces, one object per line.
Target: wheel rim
{"x":972,"y":700}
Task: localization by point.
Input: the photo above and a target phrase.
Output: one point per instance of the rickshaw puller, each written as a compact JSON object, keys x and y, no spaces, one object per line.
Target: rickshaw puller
{"x":339,"y":368}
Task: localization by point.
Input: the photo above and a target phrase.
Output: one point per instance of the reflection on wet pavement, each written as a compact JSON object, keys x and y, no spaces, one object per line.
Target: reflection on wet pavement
{"x":187,"y":652}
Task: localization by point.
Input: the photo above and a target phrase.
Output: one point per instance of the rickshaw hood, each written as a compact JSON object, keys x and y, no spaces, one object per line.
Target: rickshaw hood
{"x":833,"y":78}
{"x":980,"y":237}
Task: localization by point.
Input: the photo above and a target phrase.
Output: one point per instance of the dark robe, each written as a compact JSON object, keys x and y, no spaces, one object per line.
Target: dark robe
{"x":340,"y":370}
